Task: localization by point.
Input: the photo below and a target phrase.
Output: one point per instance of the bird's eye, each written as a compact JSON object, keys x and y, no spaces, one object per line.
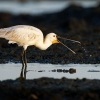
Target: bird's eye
{"x":54,"y":35}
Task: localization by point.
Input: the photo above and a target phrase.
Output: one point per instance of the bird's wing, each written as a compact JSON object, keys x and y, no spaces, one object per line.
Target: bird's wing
{"x":21,"y":34}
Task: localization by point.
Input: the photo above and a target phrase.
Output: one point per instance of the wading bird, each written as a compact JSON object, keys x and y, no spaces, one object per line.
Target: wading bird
{"x":25,"y":36}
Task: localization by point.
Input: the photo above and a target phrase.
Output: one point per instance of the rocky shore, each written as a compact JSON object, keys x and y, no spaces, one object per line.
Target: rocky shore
{"x":50,"y":89}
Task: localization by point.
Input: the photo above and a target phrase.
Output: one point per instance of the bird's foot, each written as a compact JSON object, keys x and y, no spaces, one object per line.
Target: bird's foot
{"x":22,"y":79}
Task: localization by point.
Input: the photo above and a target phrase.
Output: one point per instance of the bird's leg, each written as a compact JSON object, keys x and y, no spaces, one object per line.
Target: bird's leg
{"x":25,"y":61}
{"x":22,"y":59}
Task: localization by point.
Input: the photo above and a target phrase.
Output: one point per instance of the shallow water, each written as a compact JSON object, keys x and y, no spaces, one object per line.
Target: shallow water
{"x":36,"y":70}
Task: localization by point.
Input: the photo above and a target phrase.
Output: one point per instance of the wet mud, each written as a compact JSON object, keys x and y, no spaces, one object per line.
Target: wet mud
{"x":71,"y":70}
{"x":74,"y":22}
{"x":50,"y":89}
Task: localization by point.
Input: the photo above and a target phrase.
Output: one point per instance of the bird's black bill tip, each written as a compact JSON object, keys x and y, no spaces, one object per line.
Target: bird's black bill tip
{"x":67,"y":47}
{"x":69,"y":39}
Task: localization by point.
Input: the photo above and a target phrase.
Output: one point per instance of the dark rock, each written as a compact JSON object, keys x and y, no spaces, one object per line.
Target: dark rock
{"x":51,"y":89}
{"x":72,"y":70}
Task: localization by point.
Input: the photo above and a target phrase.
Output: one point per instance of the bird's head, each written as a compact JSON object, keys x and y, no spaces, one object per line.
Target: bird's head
{"x":53,"y":38}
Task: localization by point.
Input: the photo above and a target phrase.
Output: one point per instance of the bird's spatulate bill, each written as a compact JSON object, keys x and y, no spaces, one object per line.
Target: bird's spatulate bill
{"x":69,"y":39}
{"x":67,"y":47}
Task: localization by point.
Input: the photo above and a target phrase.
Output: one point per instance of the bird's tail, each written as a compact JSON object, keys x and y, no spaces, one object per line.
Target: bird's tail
{"x":2,"y":33}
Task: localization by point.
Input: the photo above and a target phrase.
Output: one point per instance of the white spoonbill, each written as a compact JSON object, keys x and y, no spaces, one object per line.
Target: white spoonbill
{"x":25,"y":36}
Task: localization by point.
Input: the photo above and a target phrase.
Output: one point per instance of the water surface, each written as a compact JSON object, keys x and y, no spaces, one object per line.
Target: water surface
{"x":36,"y":70}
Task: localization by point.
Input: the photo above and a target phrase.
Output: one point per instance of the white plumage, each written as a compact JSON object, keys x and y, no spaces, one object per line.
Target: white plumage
{"x":25,"y":36}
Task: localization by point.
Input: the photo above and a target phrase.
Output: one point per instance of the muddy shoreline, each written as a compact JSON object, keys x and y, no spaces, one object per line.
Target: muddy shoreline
{"x":75,"y":22}
{"x":51,"y":89}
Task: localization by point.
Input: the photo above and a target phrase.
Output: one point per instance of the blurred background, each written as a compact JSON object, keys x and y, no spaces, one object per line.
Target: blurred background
{"x":75,"y":19}
{"x":26,"y":11}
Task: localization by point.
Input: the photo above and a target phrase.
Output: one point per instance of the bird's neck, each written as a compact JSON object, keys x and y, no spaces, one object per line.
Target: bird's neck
{"x":44,"y":43}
